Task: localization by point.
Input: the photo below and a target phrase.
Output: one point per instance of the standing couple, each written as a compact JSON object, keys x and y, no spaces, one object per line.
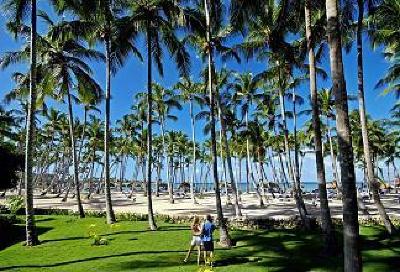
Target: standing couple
{"x":202,"y":237}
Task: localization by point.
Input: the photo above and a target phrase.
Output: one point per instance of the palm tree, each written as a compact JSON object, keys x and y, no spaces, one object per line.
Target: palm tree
{"x":157,"y":20}
{"x":385,"y":30}
{"x":326,"y":221}
{"x":89,"y":99}
{"x":227,"y":118}
{"x":165,"y":100}
{"x":64,"y":58}
{"x":373,"y":184}
{"x":246,"y":88}
{"x":103,"y":21}
{"x":18,"y":9}
{"x":211,"y":13}
{"x":189,"y":90}
{"x":352,"y":255}
{"x":94,"y":143}
{"x":266,"y":39}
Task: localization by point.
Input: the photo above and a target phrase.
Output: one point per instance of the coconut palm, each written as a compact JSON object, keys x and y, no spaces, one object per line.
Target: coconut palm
{"x":373,"y":184}
{"x":104,"y":21}
{"x":352,"y":256}
{"x":65,"y":58}
{"x":227,"y":119}
{"x":326,"y":221}
{"x":246,"y":92}
{"x":18,"y":10}
{"x":165,"y":100}
{"x":385,"y":30}
{"x":266,"y":40}
{"x":212,"y":12}
{"x":157,"y":20}
{"x":89,"y":99}
{"x":188,"y":92}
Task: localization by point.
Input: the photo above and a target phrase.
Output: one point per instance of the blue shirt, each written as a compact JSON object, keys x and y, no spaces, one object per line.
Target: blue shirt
{"x":208,"y":229}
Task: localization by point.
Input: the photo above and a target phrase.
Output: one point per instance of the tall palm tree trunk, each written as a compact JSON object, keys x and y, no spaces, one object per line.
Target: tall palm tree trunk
{"x":224,"y":236}
{"x":351,"y":240}
{"x":259,"y":196}
{"x":74,"y":155}
{"x":91,"y":174}
{"x":223,"y":174}
{"x":224,"y":140}
{"x":170,"y":190}
{"x":326,"y":220}
{"x":82,"y":135}
{"x":333,"y":156}
{"x":273,"y":167}
{"x":31,"y":234}
{"x":171,"y":179}
{"x":297,"y":192}
{"x":296,"y":166}
{"x":193,"y":180}
{"x":373,"y":185}
{"x":247,"y":175}
{"x":109,"y":210}
{"x":152,"y":223}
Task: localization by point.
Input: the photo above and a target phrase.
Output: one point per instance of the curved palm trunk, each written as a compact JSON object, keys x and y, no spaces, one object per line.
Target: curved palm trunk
{"x":273,"y":167}
{"x":109,"y":210}
{"x":296,"y":166}
{"x":333,"y":156}
{"x":192,"y":122}
{"x":91,"y":175}
{"x":247,"y":175}
{"x":224,"y":236}
{"x":224,"y":140}
{"x":373,"y":185}
{"x":286,"y":138}
{"x":351,"y":240}
{"x":171,"y":179}
{"x":297,"y":190}
{"x":74,"y":157}
{"x":326,"y":221}
{"x":152,"y":223}
{"x":31,"y":234}
{"x":170,"y":190}
{"x":82,"y":135}
{"x":259,"y":196}
{"x":223,"y":174}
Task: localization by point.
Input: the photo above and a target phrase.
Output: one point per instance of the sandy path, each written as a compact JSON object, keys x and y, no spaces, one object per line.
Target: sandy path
{"x":274,"y":209}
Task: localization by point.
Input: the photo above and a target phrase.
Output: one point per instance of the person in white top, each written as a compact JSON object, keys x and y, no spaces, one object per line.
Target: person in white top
{"x":196,"y":239}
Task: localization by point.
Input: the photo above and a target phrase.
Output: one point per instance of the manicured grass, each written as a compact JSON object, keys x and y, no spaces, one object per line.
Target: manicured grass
{"x":132,"y":247}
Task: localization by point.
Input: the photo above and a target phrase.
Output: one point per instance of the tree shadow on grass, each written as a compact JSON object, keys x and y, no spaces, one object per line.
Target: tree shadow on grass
{"x":16,"y":234}
{"x":122,"y":232}
{"x":285,"y":250}
{"x":64,"y":239}
{"x":125,"y":254}
{"x":141,"y":264}
{"x":44,"y":219}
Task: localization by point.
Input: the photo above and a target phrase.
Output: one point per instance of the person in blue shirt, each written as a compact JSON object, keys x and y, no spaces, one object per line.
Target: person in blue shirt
{"x":207,"y":229}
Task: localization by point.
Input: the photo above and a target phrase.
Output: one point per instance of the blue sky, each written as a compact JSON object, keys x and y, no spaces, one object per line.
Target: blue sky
{"x":132,"y":78}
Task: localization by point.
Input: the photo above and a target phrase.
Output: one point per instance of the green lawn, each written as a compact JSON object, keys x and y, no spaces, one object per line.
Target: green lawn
{"x":132,"y":247}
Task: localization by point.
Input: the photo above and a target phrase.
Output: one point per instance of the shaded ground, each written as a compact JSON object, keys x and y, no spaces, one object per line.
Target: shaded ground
{"x":132,"y":247}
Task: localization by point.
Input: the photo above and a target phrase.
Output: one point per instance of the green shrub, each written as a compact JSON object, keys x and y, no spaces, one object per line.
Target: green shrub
{"x":97,"y":240}
{"x":15,"y":203}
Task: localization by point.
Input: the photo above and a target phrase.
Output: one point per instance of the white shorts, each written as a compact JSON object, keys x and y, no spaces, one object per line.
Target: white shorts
{"x":196,"y":241}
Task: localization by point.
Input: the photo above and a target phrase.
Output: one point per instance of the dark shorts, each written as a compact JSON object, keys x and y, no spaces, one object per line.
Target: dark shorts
{"x":208,"y":245}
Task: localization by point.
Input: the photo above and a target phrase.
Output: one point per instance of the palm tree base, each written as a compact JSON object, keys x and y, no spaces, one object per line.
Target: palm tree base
{"x":226,"y":243}
{"x":34,"y":242}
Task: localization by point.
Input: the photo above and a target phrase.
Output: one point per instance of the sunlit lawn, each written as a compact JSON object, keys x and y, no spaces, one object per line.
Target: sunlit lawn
{"x":132,"y":247}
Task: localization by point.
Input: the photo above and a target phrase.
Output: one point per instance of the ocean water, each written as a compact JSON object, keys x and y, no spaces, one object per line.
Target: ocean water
{"x":199,"y":187}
